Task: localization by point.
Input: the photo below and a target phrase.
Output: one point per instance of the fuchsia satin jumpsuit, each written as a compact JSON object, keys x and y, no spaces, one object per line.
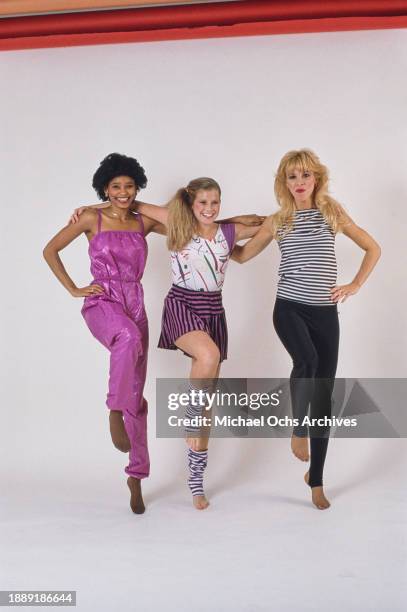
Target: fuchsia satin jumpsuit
{"x":118,"y":320}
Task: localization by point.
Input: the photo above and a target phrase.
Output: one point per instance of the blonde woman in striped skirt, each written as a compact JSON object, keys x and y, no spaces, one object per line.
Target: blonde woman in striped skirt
{"x":193,"y":316}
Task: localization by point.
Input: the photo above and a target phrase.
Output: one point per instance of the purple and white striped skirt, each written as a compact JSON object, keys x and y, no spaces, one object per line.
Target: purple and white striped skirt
{"x":186,"y":310}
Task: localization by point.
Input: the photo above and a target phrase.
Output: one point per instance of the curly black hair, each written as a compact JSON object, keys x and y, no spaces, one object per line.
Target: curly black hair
{"x":114,"y":165}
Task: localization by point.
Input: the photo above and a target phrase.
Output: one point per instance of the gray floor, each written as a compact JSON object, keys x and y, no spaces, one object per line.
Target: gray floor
{"x":260,"y":545}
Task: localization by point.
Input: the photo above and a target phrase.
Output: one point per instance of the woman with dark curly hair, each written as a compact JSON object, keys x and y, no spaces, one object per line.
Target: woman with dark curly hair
{"x":114,"y":307}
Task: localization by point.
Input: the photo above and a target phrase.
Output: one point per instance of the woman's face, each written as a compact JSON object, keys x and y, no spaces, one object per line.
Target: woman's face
{"x":206,"y":206}
{"x":121,"y":191}
{"x":301,"y":184}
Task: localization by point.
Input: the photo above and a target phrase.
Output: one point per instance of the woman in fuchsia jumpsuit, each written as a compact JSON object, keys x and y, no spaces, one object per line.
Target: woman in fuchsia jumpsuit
{"x":114,"y":307}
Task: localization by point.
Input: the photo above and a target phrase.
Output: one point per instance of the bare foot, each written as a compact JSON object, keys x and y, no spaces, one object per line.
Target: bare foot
{"x":200,"y":502}
{"x":318,"y":498}
{"x":118,"y":432}
{"x":300,"y":448}
{"x":136,"y":498}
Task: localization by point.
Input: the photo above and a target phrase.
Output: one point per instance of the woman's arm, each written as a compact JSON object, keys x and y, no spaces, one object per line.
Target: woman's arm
{"x":248,"y":220}
{"x":243,"y":232}
{"x":87,"y":223}
{"x":372,"y":250}
{"x":157,"y":213}
{"x":155,"y":218}
{"x":74,"y":218}
{"x":153,"y":226}
{"x":261,"y":238}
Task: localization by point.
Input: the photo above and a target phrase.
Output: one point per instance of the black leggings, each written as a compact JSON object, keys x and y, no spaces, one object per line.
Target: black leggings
{"x":311,"y":336}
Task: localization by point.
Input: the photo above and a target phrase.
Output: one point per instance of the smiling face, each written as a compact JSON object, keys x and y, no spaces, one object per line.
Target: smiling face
{"x":121,"y":191}
{"x":206,"y":206}
{"x":301,"y":184}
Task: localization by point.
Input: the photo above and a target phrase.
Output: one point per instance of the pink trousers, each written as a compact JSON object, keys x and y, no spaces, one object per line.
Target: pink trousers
{"x":126,"y":337}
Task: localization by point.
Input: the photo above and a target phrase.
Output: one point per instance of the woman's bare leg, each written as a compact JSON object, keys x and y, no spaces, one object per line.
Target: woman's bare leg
{"x":205,"y":365}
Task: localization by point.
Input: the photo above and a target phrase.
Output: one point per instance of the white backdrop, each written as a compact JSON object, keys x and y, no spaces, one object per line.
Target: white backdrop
{"x":226,"y":108}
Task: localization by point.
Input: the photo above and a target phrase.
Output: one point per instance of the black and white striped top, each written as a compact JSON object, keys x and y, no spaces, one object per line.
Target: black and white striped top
{"x":308,"y":262}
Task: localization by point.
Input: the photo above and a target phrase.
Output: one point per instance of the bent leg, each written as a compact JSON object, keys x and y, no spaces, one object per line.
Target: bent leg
{"x":291,"y":326}
{"x":204,"y":373}
{"x":292,"y":329}
{"x":204,"y":353}
{"x":127,"y":342}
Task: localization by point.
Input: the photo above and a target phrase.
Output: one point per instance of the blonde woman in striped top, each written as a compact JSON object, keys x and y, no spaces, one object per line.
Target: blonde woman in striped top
{"x":305,"y":313}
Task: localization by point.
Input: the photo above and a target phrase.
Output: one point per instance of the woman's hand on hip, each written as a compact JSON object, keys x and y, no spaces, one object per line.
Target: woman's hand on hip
{"x":87,"y":291}
{"x":340,"y":293}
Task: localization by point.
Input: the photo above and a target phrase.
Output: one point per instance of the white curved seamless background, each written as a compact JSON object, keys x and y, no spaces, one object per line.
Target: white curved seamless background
{"x":227,"y":108}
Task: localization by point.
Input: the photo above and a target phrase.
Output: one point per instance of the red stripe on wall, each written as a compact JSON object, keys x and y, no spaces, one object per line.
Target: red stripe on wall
{"x":254,"y":29}
{"x":200,"y":21}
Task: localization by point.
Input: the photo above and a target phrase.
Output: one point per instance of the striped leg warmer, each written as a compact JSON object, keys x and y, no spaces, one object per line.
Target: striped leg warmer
{"x":197,"y":462}
{"x":194,"y":409}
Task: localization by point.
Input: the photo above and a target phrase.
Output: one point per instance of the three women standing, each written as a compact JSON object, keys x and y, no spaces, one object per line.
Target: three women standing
{"x":305,"y":312}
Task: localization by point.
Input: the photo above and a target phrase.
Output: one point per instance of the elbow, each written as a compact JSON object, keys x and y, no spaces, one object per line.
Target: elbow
{"x":46,"y":253}
{"x":373,"y":249}
{"x":243,"y":258}
{"x":377,"y":251}
{"x":238,"y":258}
{"x":239,"y":254}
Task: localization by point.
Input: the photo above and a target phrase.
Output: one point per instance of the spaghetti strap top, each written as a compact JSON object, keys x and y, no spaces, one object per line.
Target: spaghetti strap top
{"x":117,"y":255}
{"x":138,"y":216}
{"x":99,"y":219}
{"x":140,"y":220}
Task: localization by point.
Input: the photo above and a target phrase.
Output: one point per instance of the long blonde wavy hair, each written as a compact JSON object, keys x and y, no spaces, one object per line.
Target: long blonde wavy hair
{"x":304,"y":160}
{"x":182,"y":223}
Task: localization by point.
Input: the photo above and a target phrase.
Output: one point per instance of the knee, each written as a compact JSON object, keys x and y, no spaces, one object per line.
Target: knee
{"x":208,"y":357}
{"x":305,"y":366}
{"x":128,"y":337}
